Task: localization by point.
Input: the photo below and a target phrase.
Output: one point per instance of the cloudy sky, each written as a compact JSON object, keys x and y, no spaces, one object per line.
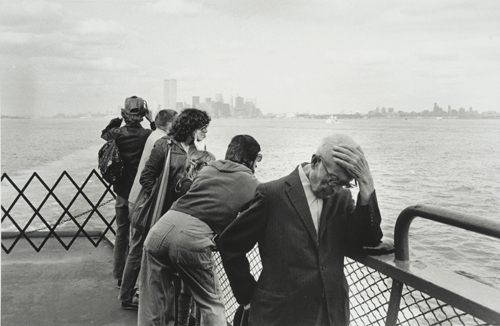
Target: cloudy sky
{"x":314,"y":56}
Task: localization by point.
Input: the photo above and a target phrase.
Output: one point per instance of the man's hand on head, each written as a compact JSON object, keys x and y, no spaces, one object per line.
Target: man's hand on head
{"x":353,"y":160}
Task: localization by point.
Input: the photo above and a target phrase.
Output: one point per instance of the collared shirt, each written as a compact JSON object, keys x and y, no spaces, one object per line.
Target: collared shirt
{"x":315,"y":203}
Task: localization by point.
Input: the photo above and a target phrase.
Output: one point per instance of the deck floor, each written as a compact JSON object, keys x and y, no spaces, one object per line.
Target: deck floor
{"x":59,"y":287}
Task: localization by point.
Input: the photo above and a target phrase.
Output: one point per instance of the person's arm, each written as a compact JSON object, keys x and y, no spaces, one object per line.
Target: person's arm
{"x":149,"y":117}
{"x":237,"y":240}
{"x":364,"y":218}
{"x":107,"y":133}
{"x":153,"y":168}
{"x":363,"y":223}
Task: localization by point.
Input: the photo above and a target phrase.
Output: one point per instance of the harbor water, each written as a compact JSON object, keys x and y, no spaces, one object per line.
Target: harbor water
{"x":454,"y":164}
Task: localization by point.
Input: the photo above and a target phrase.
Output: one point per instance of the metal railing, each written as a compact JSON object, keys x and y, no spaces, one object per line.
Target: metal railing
{"x":384,"y":290}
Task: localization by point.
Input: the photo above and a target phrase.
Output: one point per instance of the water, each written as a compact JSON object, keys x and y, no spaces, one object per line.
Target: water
{"x":454,"y":164}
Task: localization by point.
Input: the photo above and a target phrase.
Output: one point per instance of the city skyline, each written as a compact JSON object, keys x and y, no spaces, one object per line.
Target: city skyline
{"x":322,"y":57}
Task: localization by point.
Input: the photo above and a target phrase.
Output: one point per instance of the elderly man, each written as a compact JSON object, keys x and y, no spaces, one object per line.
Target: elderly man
{"x":303,"y":224}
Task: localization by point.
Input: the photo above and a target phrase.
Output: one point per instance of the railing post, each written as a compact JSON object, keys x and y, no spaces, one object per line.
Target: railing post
{"x":394,"y":303}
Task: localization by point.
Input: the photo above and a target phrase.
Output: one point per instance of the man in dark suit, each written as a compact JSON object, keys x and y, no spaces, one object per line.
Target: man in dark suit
{"x":303,"y":224}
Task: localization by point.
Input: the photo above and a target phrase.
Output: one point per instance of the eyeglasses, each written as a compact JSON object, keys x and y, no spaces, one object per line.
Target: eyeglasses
{"x":259,"y":157}
{"x":334,"y":183}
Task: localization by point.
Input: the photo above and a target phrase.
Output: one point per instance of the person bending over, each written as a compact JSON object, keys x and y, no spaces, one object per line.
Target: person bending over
{"x":183,"y":239}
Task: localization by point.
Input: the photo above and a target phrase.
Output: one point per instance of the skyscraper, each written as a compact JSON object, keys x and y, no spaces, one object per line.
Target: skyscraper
{"x":170,"y":94}
{"x":196,"y":101}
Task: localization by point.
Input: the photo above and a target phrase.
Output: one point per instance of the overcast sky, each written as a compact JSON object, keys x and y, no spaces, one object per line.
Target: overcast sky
{"x":293,"y":56}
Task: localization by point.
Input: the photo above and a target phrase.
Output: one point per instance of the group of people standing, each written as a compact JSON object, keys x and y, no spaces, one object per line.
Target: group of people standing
{"x":303,"y":223}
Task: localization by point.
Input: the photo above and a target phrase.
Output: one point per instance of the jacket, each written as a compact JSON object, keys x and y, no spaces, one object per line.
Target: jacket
{"x":300,"y":270}
{"x":155,"y":164}
{"x":219,"y":192}
{"x":130,"y":140}
{"x":136,"y":187}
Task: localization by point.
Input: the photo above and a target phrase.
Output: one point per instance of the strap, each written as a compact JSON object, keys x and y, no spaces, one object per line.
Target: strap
{"x":160,"y":199}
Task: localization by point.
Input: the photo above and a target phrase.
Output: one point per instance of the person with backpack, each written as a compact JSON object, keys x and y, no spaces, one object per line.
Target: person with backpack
{"x":130,"y":140}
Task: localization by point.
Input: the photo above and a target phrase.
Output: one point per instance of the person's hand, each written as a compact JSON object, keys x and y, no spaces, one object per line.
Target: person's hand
{"x":353,"y":160}
{"x":149,"y":115}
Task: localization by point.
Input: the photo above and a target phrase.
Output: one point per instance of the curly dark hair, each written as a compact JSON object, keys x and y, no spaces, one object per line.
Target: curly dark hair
{"x":188,"y":121}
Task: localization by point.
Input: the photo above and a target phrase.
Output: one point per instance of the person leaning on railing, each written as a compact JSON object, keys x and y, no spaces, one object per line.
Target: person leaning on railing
{"x":303,"y":223}
{"x":182,"y":241}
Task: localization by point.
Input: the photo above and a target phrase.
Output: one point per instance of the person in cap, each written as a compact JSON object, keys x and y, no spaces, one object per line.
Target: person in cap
{"x":130,"y":140}
{"x":304,"y":223}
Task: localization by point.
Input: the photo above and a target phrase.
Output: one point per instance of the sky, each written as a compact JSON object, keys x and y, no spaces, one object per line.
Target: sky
{"x":311,"y":56}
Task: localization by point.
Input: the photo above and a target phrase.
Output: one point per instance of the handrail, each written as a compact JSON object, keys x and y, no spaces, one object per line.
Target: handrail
{"x":448,"y":287}
{"x":467,"y":222}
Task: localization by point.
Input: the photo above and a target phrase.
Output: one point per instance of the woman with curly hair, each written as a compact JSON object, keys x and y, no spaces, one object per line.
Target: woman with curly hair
{"x":191,"y":127}
{"x":188,"y":128}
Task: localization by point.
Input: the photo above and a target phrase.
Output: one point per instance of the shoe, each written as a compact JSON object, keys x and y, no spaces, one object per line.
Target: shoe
{"x":135,"y":299}
{"x":129,"y":305}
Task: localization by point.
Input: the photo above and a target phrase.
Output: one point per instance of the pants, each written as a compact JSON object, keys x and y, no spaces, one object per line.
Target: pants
{"x":120,"y":250}
{"x":179,"y":243}
{"x":132,"y":266}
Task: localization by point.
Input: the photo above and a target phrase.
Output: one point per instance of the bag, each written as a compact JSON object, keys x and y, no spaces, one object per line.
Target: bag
{"x":147,"y":209}
{"x":110,"y":162}
{"x":142,"y":212}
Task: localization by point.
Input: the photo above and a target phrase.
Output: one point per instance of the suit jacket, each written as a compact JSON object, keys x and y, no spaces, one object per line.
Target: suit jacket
{"x":300,"y":270}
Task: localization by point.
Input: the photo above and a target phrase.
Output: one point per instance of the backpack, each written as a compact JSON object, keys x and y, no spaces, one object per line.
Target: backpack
{"x":110,"y":162}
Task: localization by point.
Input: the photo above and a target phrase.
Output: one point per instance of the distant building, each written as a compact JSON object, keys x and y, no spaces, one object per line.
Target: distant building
{"x":196,"y":101}
{"x":170,"y":94}
{"x":179,"y":106}
{"x":239,"y":107}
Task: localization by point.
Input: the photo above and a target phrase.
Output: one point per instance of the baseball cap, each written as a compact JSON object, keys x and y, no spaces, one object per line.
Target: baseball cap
{"x":134,"y":104}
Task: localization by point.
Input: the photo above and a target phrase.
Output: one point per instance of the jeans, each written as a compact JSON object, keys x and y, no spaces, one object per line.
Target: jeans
{"x":132,"y":266}
{"x":179,"y":243}
{"x":120,"y":250}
